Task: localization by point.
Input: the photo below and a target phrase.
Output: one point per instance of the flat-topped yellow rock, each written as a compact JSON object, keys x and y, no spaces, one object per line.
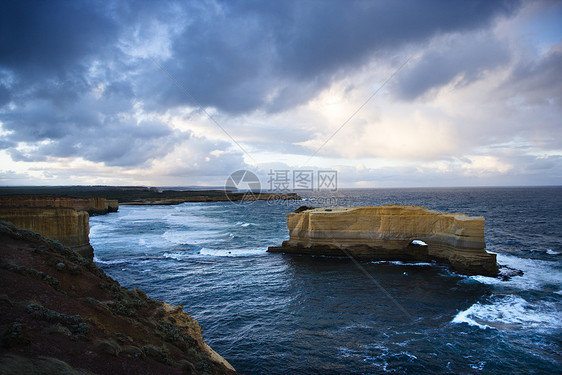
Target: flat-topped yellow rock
{"x":391,"y":232}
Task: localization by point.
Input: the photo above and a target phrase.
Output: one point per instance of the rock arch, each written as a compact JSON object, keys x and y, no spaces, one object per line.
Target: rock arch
{"x":387,"y":232}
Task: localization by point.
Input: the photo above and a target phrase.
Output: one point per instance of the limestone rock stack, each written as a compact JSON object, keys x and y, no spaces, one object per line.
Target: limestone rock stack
{"x":389,"y":233}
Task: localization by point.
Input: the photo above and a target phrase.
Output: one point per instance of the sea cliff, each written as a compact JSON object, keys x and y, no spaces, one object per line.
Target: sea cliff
{"x":390,"y":233}
{"x":66,"y":225}
{"x":62,"y":314}
{"x":61,"y":218}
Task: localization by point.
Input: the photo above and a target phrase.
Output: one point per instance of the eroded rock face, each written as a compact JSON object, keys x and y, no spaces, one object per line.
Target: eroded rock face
{"x":388,"y":232}
{"x":112,"y":205}
{"x":58,"y":217}
{"x":66,"y":225}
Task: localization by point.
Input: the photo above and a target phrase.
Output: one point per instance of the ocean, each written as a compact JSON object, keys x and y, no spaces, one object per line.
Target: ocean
{"x":279,"y":314}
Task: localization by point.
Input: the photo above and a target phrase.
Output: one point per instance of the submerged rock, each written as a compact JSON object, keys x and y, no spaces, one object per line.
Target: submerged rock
{"x":391,"y":232}
{"x":505,"y":273}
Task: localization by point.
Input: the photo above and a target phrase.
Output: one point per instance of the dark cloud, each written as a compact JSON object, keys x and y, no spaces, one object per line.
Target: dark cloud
{"x":113,"y":142}
{"x":73,"y":78}
{"x":465,"y":59}
{"x":5,"y":95}
{"x":5,"y":144}
{"x":99,"y":127}
{"x":539,"y":82}
{"x":328,"y":36}
{"x":275,"y":55}
{"x":532,"y":99}
{"x":45,"y":37}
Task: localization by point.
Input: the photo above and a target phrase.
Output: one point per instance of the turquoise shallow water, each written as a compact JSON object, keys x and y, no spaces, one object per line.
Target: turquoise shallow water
{"x":279,"y":314}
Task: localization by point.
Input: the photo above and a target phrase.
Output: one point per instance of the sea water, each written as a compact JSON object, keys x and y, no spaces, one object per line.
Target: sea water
{"x":285,"y":314}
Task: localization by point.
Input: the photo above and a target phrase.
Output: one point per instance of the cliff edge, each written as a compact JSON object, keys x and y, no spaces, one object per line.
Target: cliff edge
{"x":61,"y":218}
{"x":66,"y":225}
{"x":60,"y":313}
{"x":92,"y":205}
{"x":391,"y":232}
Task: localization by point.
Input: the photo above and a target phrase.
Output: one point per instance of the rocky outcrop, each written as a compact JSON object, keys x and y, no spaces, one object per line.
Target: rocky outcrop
{"x":61,"y":314}
{"x":92,"y":205}
{"x":66,"y":225}
{"x":392,"y":232}
{"x":112,"y":205}
{"x":58,"y":217}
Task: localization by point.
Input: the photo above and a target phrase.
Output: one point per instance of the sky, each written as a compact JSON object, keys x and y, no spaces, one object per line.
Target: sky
{"x":181,"y":93}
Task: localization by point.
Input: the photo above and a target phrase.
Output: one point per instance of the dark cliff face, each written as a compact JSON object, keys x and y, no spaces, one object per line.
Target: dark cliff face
{"x":60,"y":313}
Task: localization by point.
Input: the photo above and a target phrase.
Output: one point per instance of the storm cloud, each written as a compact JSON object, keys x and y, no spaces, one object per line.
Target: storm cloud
{"x":127,"y":83}
{"x":243,"y":56}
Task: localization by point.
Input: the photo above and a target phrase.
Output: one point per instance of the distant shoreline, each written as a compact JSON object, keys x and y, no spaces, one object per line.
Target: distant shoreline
{"x":141,"y":195}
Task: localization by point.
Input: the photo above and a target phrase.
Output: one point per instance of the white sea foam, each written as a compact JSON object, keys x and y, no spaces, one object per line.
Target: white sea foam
{"x":194,"y":237}
{"x":209,"y":252}
{"x":547,"y":251}
{"x":244,"y":225}
{"x":192,"y":217}
{"x":346,"y":353}
{"x":144,"y":241}
{"x":536,"y":273}
{"x":400,"y":263}
{"x":100,"y":228}
{"x":190,"y":220}
{"x":233,"y":252}
{"x":115,"y":261}
{"x":510,"y":312}
{"x":478,"y":366}
{"x":143,"y":213}
{"x":178,"y":255}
